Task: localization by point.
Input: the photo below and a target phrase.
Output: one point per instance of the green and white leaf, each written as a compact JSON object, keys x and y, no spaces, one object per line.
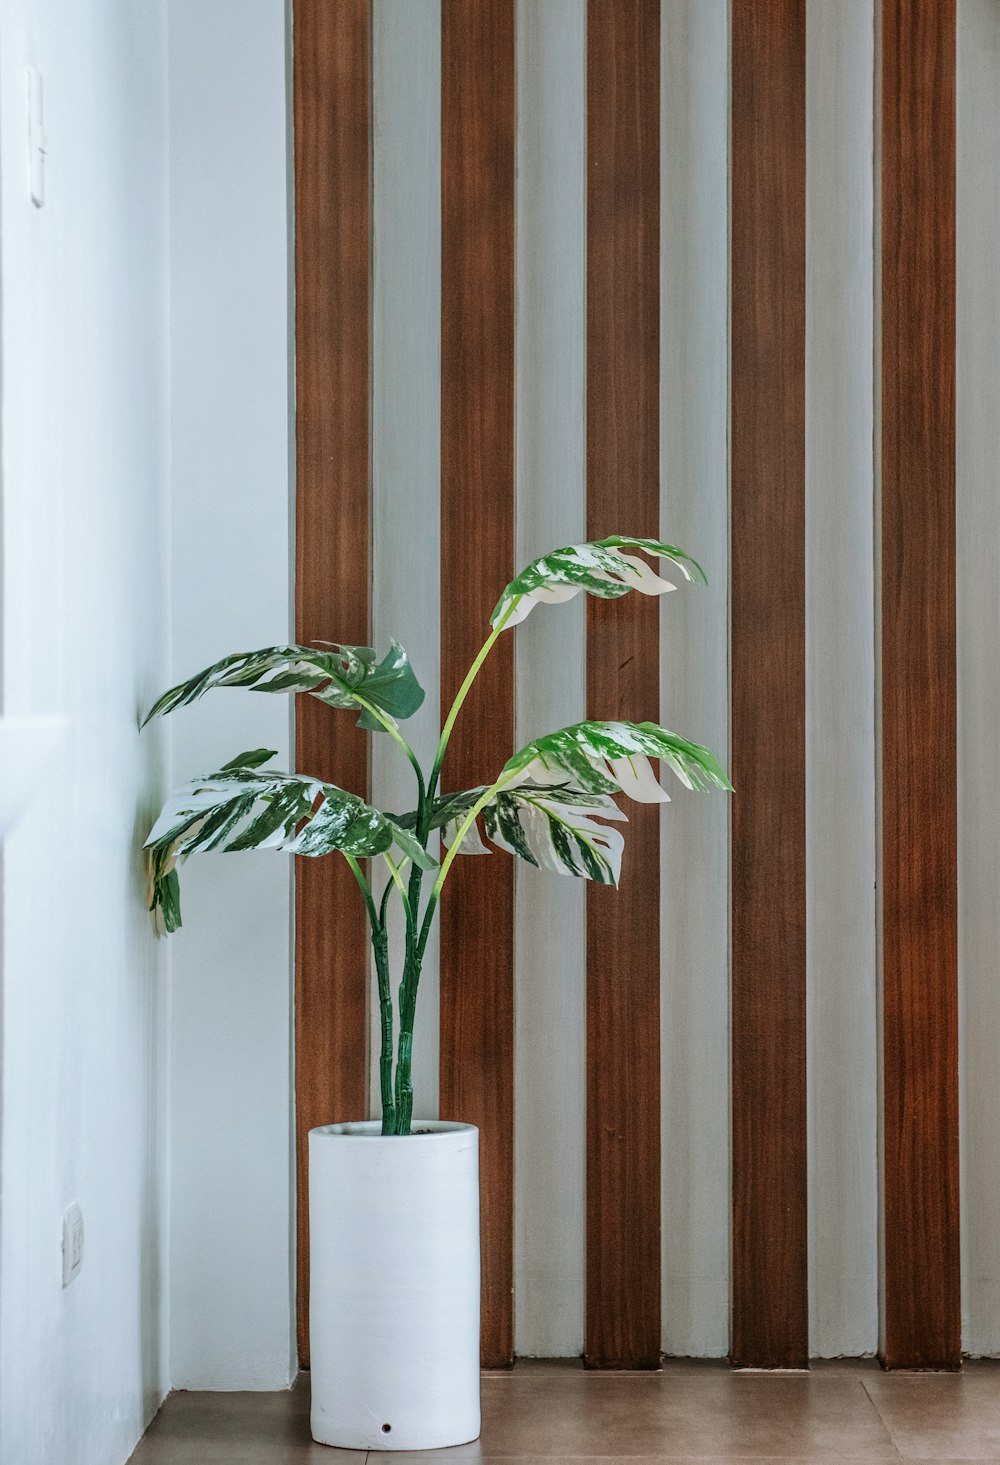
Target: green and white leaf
{"x":239,"y":808}
{"x":613,"y":757}
{"x":336,"y":675}
{"x":552,"y":828}
{"x":599,"y":568}
{"x":558,"y":835}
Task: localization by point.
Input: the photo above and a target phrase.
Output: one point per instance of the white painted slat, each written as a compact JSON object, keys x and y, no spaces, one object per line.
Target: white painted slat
{"x":840,"y":680}
{"x":978,"y":605}
{"x":549,"y":953}
{"x":406,"y":427}
{"x":695,"y":674}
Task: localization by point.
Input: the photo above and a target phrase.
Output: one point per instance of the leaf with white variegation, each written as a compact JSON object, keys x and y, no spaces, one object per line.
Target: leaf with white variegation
{"x":613,"y":757}
{"x":553,"y":828}
{"x":599,"y":568}
{"x":340,"y":676}
{"x":239,"y":808}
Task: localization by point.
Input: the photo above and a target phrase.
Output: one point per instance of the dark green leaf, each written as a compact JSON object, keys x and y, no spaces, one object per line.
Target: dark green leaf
{"x":336,"y":675}
{"x":253,"y":759}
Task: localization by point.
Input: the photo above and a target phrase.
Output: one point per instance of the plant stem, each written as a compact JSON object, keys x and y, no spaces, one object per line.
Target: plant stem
{"x":397,"y":879}
{"x":397,"y":1106}
{"x":366,"y":891}
{"x":397,"y":737}
{"x":380,"y":946}
{"x":407,"y":1008}
{"x":389,"y":887}
{"x":453,"y":849}
{"x":461,"y":695}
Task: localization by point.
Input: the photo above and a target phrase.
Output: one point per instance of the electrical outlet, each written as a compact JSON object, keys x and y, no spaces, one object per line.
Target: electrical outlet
{"x":72,"y":1243}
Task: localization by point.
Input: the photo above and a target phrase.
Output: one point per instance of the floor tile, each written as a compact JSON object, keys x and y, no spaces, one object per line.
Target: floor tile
{"x":236,"y":1429}
{"x":375,"y":1458}
{"x":677,"y":1415}
{"x":941,"y":1417}
{"x":556,"y":1413}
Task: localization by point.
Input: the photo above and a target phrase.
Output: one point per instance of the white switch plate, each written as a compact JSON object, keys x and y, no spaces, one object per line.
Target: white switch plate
{"x":72,"y":1244}
{"x":36,"y":139}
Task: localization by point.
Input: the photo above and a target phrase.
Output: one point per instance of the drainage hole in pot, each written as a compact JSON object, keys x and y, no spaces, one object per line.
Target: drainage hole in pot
{"x":386,"y":1428}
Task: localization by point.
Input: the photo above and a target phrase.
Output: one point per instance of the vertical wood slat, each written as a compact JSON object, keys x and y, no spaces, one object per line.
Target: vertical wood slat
{"x":332,"y":252}
{"x":623,"y":496}
{"x":767,"y":447}
{"x":921,"y":1324}
{"x":477,"y":560}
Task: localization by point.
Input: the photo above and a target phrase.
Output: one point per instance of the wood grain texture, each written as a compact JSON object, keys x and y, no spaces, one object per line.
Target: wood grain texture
{"x":332,"y":252}
{"x":477,"y":560}
{"x":623,"y":496}
{"x":769,"y":1135}
{"x":922,"y":1301}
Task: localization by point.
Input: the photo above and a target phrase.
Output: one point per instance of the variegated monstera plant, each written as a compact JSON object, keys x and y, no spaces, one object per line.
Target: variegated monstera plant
{"x":550,"y":803}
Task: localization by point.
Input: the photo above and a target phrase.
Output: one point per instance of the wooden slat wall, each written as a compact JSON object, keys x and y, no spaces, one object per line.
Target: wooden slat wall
{"x":921,"y":1302}
{"x":477,"y":560}
{"x":623,"y":496}
{"x":921,"y":1321}
{"x":332,"y":252}
{"x":767,"y":446}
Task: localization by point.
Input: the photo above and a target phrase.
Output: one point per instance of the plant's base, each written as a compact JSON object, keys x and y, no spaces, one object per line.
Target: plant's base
{"x":394,"y":1286}
{"x":324,"y":1433}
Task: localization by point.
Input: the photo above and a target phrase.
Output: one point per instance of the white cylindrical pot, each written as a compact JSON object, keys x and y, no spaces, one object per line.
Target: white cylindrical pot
{"x":394,"y":1286}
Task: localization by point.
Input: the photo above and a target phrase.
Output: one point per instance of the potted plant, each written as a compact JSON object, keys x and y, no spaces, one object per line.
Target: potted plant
{"x":394,"y":1309}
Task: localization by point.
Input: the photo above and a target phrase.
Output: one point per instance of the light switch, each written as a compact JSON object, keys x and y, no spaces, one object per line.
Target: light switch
{"x":36,"y":139}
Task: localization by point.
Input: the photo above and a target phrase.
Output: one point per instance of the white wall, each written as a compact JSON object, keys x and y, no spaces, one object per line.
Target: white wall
{"x":406,"y":437}
{"x":840,"y":680}
{"x":978,"y":606}
{"x":232,"y":1212}
{"x":694,"y":673}
{"x":84,"y":634}
{"x":550,"y":970}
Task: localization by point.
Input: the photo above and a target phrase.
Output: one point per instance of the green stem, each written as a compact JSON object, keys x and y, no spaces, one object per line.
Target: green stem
{"x":397,"y":737}
{"x":397,"y":879}
{"x":383,"y":905}
{"x":463,"y":692}
{"x":417,"y":932}
{"x":380,"y":946}
{"x":404,"y":1060}
{"x":446,"y":863}
{"x":366,"y":891}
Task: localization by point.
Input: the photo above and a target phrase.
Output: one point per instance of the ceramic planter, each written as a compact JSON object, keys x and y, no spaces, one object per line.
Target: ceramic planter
{"x":394,"y":1286}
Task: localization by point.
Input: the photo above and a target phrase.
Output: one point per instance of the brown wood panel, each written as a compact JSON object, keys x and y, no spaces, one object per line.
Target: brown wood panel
{"x":922,"y":1306}
{"x":769,"y":1235}
{"x":332,"y":251}
{"x":623,"y":496}
{"x":477,"y":560}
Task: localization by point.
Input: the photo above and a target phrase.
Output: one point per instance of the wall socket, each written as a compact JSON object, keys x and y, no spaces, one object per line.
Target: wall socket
{"x":72,"y":1242}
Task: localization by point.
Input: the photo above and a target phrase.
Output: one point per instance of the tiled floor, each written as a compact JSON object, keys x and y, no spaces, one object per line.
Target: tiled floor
{"x":548,"y":1412}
